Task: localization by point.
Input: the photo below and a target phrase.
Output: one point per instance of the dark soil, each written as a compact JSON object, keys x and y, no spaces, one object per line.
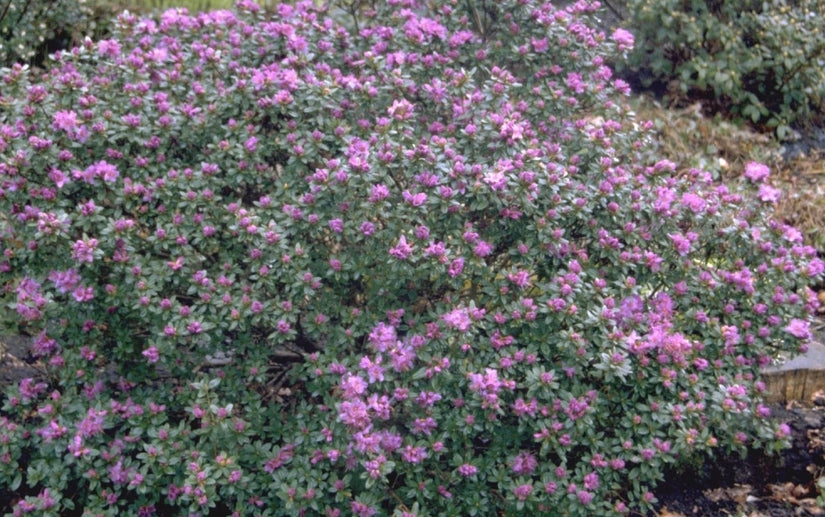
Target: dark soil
{"x":16,"y":361}
{"x":754,"y":486}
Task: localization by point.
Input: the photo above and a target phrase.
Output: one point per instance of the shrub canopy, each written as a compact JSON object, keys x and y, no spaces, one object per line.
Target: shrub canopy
{"x":497,"y":299}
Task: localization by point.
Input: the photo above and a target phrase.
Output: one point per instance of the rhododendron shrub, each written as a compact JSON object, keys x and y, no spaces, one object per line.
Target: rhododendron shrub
{"x":494,"y":297}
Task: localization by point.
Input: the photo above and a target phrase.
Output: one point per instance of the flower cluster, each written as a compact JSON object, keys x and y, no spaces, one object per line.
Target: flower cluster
{"x":489,"y":293}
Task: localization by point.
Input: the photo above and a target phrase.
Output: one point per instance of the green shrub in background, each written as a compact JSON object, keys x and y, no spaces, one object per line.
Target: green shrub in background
{"x":760,"y":61}
{"x":193,"y":6}
{"x":31,"y":29}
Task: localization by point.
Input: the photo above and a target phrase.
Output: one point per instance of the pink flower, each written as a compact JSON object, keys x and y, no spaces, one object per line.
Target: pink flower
{"x":524,"y":463}
{"x":84,"y":294}
{"x":624,"y":39}
{"x":108,"y":47}
{"x":151,"y":354}
{"x":769,"y":194}
{"x":591,"y":481}
{"x":694,"y":202}
{"x":756,"y":172}
{"x":362,"y":510}
{"x":353,"y":386}
{"x":83,"y":250}
{"x":64,"y":120}
{"x":783,"y":432}
{"x":457,"y":319}
{"x":799,"y":328}
{"x":482,"y":249}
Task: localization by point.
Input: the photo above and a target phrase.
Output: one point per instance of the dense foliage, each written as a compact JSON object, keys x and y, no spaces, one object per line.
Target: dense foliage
{"x":761,"y":61}
{"x":497,"y":300}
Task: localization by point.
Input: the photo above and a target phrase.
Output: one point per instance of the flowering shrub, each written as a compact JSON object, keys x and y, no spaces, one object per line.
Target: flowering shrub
{"x":496,"y":299}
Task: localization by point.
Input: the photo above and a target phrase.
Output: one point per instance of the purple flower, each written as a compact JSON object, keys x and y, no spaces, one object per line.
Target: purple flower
{"x":65,"y":281}
{"x":402,"y":358}
{"x":91,"y":425}
{"x":352,"y":386}
{"x":456,"y":267}
{"x":360,"y":509}
{"x":482,"y":249}
{"x":378,"y":193}
{"x":375,"y":372}
{"x":336,"y":225}
{"x":354,"y":413}
{"x":367,"y":228}
{"x":416,"y":199}
{"x":458,"y":319}
{"x":402,"y":250}
{"x":524,"y":463}
{"x":584,"y":497}
{"x":467,"y":470}
{"x":424,"y":426}
{"x":412,"y":454}
{"x":681,"y":243}
{"x":58,"y":177}
{"x":522,"y":492}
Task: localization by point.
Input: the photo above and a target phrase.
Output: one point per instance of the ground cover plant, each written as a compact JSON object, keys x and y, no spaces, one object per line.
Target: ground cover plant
{"x":497,"y":299}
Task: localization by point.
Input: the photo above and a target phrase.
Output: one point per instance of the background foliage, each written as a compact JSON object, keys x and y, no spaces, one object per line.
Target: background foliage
{"x":760,"y":61}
